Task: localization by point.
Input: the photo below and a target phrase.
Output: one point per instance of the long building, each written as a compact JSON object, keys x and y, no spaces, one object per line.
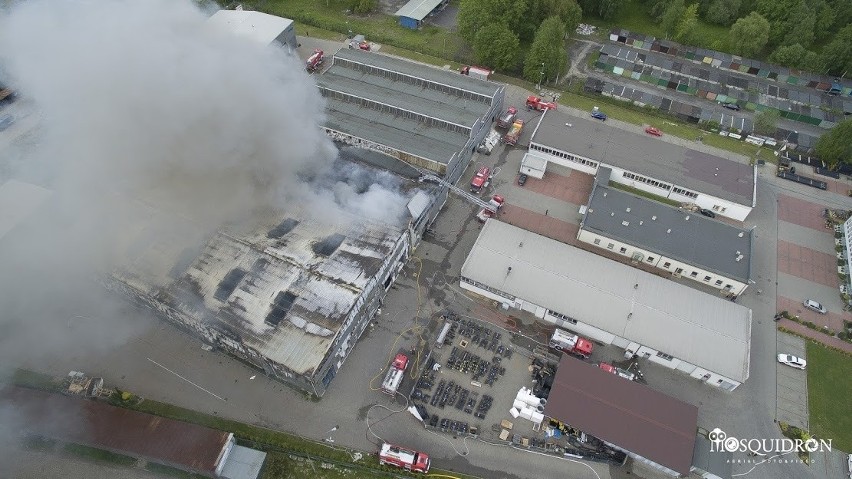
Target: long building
{"x":707,"y":337}
{"x":257,"y":26}
{"x":684,"y":243}
{"x":430,"y":118}
{"x":724,"y":186}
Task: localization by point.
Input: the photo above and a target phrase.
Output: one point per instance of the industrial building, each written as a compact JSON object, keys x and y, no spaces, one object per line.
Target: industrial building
{"x":652,"y":428}
{"x":188,"y":447}
{"x":430,"y":118}
{"x":726,"y":187}
{"x":684,"y":243}
{"x":260,"y":27}
{"x":667,"y":323}
{"x":411,"y":14}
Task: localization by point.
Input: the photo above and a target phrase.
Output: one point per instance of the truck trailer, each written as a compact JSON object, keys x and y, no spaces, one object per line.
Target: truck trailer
{"x":476,"y":72}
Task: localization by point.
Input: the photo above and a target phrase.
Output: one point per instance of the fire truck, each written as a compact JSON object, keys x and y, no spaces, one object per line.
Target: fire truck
{"x":514,"y":133}
{"x":479,"y":179}
{"x":571,"y":344}
{"x":315,"y":60}
{"x":508,"y":118}
{"x":404,"y":458}
{"x":395,"y":374}
{"x":536,"y":103}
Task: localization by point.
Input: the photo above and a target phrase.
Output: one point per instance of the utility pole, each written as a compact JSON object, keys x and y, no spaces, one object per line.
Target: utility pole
{"x":540,"y":77}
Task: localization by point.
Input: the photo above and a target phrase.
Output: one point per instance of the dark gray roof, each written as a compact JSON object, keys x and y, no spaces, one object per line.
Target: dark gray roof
{"x":432,"y":74}
{"x":717,"y":463}
{"x":679,"y":234}
{"x":627,"y":414}
{"x":417,"y":9}
{"x":647,"y":155}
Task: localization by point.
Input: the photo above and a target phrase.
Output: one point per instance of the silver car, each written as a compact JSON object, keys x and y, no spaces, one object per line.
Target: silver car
{"x":792,"y":361}
{"x":814,"y":306}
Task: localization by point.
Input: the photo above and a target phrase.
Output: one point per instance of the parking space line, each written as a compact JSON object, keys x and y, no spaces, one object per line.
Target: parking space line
{"x":187,"y":380}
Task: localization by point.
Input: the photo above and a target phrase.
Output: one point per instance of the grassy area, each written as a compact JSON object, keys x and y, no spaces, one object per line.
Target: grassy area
{"x":280,"y":465}
{"x":169,"y":471}
{"x":829,"y":390}
{"x":34,"y":380}
{"x":100,"y":455}
{"x":645,"y":194}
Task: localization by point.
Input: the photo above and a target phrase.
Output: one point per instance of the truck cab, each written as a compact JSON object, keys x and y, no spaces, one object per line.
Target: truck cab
{"x":479,"y":179}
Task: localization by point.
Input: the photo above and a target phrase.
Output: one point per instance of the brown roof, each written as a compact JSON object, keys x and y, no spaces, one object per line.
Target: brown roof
{"x":629,"y":415}
{"x":100,"y":425}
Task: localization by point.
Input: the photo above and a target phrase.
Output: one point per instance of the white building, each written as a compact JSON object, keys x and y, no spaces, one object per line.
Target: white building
{"x":641,"y":161}
{"x":706,"y":337}
{"x":677,"y":241}
{"x":261,"y":27}
{"x":846,"y":242}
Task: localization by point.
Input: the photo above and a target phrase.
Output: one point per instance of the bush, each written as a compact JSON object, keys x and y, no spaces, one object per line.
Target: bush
{"x":810,"y":325}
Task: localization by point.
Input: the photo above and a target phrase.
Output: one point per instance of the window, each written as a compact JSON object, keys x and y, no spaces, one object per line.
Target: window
{"x":693,"y":274}
{"x":678,"y":270}
{"x":667,"y":265}
{"x":597,"y":241}
{"x":622,"y":250}
{"x":610,"y":246}
{"x":728,"y":286}
{"x":718,"y":282}
{"x":650,"y":259}
{"x":706,"y":278}
{"x":665,"y":356}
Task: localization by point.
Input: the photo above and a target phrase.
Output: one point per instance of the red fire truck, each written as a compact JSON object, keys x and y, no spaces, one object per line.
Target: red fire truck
{"x":395,"y":374}
{"x":315,"y":60}
{"x":404,"y":458}
{"x":479,"y":179}
{"x":571,"y":343}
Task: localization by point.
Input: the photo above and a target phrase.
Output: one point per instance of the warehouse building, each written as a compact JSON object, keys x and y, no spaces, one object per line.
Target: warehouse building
{"x":256,"y":26}
{"x":641,"y":161}
{"x":681,"y":242}
{"x":188,"y":447}
{"x":652,"y":428}
{"x":411,"y":14}
{"x":430,"y":118}
{"x":667,"y":323}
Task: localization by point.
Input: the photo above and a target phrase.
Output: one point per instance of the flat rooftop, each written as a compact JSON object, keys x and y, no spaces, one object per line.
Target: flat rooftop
{"x":690,"y":325}
{"x":647,"y":155}
{"x":417,"y":9}
{"x":440,"y":76}
{"x":97,"y":424}
{"x":260,"y":27}
{"x":629,"y":415}
{"x":678,"y":234}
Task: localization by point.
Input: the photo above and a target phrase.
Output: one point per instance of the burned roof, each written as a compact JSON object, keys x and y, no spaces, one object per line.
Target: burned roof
{"x":116,"y":429}
{"x":624,"y":413}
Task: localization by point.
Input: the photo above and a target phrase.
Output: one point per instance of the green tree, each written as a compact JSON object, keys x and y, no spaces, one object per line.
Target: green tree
{"x":672,"y":15}
{"x":685,"y":31}
{"x":475,"y":14}
{"x":766,"y":121}
{"x":605,"y":9}
{"x":722,"y":12}
{"x":496,"y":46}
{"x":834,"y":146}
{"x":547,"y":54}
{"x":656,"y":9}
{"x":749,"y":34}
{"x":836,"y":57}
{"x":538,"y":10}
{"x":362,"y":7}
{"x":791,"y":21}
{"x":795,"y":56}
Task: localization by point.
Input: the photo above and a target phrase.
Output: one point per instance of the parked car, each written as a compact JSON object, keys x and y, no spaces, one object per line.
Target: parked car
{"x":814,"y":306}
{"x":731,"y":106}
{"x":653,"y":131}
{"x":792,"y":361}
{"x":522,"y":178}
{"x":707,"y":213}
{"x":599,"y":115}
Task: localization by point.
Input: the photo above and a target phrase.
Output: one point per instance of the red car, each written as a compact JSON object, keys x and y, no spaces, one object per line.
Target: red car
{"x":653,"y":131}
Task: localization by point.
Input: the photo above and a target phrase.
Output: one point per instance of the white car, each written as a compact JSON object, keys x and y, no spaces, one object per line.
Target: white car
{"x":814,"y":306}
{"x":792,"y":361}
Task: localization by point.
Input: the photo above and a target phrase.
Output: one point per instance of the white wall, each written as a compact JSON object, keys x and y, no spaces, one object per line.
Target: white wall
{"x":664,"y":263}
{"x":566,"y":159}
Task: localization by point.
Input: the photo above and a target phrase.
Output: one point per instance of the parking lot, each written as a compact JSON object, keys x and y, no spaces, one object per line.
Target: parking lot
{"x":792,"y":384}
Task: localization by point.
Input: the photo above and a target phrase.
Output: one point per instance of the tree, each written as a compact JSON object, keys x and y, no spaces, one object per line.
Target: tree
{"x":766,"y":121}
{"x":605,"y":9}
{"x":657,"y":8}
{"x":836,"y":57}
{"x":538,"y":10}
{"x":722,"y":12}
{"x":547,"y":57}
{"x":749,"y":34}
{"x":791,"y":21}
{"x":496,"y":46}
{"x":475,"y":14}
{"x":672,"y":15}
{"x":834,"y":146}
{"x":686,"y":25}
{"x":795,"y":56}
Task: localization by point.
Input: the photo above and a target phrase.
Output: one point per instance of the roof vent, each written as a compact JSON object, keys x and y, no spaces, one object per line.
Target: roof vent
{"x":604,"y":193}
{"x":641,"y":222}
{"x":627,"y":210}
{"x":669,"y":230}
{"x":654,"y":218}
{"x":687,"y":218}
{"x":625,"y":223}
{"x":740,"y":234}
{"x":612,"y":214}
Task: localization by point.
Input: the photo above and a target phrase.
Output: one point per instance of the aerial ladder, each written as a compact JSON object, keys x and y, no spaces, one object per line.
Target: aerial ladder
{"x":459,"y":191}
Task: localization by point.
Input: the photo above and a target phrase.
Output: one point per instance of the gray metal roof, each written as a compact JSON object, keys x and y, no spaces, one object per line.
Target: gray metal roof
{"x":403,"y":134}
{"x":428,"y":73}
{"x":463,"y":112}
{"x":647,"y":155}
{"x":696,"y":327}
{"x":260,"y":27}
{"x":417,"y":9}
{"x":679,"y":234}
{"x":717,"y":463}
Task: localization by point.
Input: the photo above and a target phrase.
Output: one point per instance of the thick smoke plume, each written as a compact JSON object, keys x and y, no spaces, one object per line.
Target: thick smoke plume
{"x":143,"y":106}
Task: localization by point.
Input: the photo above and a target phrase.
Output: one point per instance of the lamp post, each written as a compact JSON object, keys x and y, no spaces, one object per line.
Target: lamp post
{"x":540,"y":77}
{"x":787,"y":140}
{"x":328,"y":433}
